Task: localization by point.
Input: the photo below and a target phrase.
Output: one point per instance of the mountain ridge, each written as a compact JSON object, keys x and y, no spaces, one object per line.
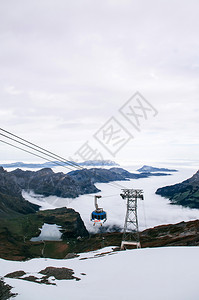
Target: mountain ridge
{"x":54,"y":164}
{"x":146,"y":168}
{"x":185,"y":193}
{"x":47,"y":183}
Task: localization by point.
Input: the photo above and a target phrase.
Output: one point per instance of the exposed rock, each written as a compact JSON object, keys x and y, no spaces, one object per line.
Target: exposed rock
{"x":11,"y":201}
{"x":5,"y":291}
{"x":124,"y":173}
{"x":45,"y":279}
{"x":16,"y":274}
{"x":185,"y":193}
{"x":95,"y":175}
{"x":128,"y":175}
{"x":107,"y":175}
{"x":180,"y":234}
{"x":35,"y":279}
{"x":59,"y":273}
{"x":47,"y":183}
{"x":71,"y":255}
{"x":44,"y":182}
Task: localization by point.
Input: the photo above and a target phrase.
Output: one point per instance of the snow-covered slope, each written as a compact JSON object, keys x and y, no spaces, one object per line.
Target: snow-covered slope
{"x":144,"y":274}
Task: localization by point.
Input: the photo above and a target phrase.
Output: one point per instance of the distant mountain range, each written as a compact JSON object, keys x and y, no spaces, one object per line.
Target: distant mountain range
{"x":54,"y":164}
{"x":144,"y":169}
{"x":46,"y":182}
{"x":20,"y":220}
{"x":185,"y":193}
{"x":98,"y":163}
{"x":153,"y":169}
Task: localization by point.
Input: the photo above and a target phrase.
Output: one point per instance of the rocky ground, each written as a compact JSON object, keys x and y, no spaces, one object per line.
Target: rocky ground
{"x":11,"y":201}
{"x":5,"y":291}
{"x":13,"y":246}
{"x":49,"y":274}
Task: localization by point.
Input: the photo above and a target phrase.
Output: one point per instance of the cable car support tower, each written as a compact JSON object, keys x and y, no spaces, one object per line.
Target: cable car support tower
{"x":131,"y":236}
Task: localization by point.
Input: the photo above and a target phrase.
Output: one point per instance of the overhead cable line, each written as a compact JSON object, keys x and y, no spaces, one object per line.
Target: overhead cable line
{"x":35,"y":154}
{"x":66,"y":163}
{"x":57,"y":156}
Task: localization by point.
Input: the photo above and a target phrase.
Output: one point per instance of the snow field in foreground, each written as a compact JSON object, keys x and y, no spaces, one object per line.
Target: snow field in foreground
{"x":146,"y":274}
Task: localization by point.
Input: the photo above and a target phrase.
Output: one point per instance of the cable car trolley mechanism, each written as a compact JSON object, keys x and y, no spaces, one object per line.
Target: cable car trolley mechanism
{"x":98,"y":216}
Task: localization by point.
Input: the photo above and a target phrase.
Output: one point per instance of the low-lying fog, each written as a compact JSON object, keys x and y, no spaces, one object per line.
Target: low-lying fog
{"x":153,"y":211}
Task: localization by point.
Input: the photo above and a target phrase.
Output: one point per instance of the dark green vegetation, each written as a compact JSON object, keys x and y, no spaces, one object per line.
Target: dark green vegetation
{"x":16,"y":246}
{"x":20,"y":220}
{"x":15,"y":234}
{"x":185,"y":193}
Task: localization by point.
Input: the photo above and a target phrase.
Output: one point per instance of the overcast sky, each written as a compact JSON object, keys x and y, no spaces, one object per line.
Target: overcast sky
{"x":67,"y":67}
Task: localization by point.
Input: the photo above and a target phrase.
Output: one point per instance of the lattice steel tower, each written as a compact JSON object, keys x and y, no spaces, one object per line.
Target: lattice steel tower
{"x":131,"y":233}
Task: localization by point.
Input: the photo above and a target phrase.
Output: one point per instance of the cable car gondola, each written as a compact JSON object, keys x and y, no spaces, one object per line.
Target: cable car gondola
{"x":98,"y":216}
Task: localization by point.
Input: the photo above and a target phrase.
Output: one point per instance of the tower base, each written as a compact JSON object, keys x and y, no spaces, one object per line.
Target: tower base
{"x":130,"y":245}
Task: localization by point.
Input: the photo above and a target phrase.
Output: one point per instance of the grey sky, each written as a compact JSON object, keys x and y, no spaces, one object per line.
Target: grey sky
{"x":67,"y":67}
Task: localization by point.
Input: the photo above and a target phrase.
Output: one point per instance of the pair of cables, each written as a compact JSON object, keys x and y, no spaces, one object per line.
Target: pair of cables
{"x":44,"y":154}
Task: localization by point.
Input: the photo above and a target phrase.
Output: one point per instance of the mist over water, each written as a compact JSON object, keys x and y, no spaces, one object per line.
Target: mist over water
{"x":152,"y":211}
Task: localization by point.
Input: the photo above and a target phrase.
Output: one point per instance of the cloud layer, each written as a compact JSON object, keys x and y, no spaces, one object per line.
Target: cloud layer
{"x":66,"y":67}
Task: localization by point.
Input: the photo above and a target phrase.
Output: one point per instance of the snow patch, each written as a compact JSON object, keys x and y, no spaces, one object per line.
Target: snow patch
{"x":49,"y":232}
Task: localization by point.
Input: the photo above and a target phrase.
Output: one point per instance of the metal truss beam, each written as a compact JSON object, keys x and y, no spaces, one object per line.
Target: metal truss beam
{"x":131,"y":236}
